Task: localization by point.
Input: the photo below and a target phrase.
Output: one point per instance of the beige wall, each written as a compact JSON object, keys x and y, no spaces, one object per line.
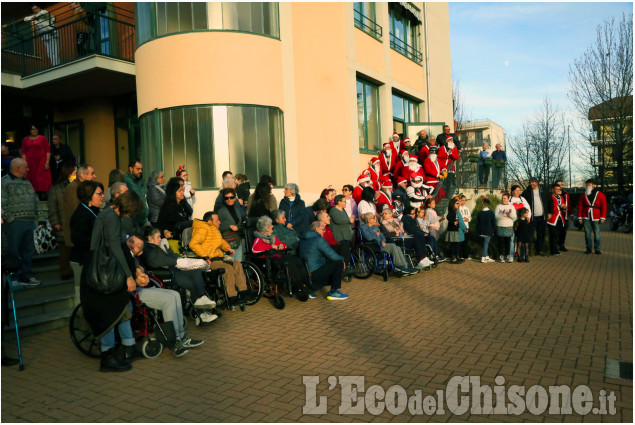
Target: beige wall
{"x":209,"y":67}
{"x":99,"y":133}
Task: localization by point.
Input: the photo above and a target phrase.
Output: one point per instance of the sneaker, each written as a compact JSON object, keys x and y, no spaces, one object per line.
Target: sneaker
{"x":597,"y":251}
{"x":501,"y":259}
{"x":489,"y":260}
{"x":441,"y":259}
{"x":32,"y":282}
{"x":312,"y":296}
{"x":179,"y":349}
{"x":337,"y":295}
{"x":208,"y":317}
{"x":191,"y":342}
{"x":510,"y":259}
{"x":204,"y":302}
{"x":403,"y":270}
{"x":413,"y":270}
{"x":424,"y":263}
{"x":483,"y":260}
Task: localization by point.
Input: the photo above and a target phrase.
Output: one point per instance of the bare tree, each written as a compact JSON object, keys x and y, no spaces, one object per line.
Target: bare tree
{"x":602,"y":92}
{"x":539,"y":150}
{"x":459,"y":109}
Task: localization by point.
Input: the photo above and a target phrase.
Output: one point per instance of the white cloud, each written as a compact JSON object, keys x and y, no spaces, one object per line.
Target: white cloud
{"x":506,"y":62}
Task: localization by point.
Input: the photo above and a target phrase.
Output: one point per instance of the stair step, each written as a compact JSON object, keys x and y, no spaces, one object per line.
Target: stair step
{"x":39,"y":323}
{"x":47,"y":256}
{"x":52,"y":287}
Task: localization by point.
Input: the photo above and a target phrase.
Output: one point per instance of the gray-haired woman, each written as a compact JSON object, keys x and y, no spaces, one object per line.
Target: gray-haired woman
{"x":155,"y":195}
{"x":295,"y":210}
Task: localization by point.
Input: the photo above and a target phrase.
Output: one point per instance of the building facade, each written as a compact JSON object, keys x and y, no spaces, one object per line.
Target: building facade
{"x":304,"y":92}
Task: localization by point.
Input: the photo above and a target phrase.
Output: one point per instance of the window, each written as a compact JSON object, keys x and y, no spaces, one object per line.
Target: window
{"x":404,"y":110}
{"x":478,"y":137}
{"x":259,"y":18}
{"x":368,"y":115}
{"x":180,"y":17}
{"x":365,"y":19}
{"x":405,"y":31}
{"x":143,"y":21}
{"x":252,"y":135}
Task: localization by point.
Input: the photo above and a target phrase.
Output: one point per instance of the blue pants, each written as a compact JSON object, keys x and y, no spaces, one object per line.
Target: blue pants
{"x":540,"y":225}
{"x":486,"y":240}
{"x":125,"y":332}
{"x":592,"y":227}
{"x":20,"y":237}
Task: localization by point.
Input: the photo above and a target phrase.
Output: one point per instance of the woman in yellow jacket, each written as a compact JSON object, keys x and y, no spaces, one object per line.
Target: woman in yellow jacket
{"x":207,"y":242}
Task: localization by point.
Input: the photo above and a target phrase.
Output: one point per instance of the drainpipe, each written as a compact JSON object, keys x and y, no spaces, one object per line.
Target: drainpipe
{"x":425,"y":25}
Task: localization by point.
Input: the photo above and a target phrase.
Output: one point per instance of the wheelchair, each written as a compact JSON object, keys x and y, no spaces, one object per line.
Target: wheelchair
{"x":410,"y":254}
{"x":371,"y":258}
{"x":146,"y":323}
{"x":276,"y":280}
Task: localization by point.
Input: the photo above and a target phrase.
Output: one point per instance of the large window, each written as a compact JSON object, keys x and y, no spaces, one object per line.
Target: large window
{"x":404,"y":110}
{"x":160,"y":19}
{"x":259,"y":18}
{"x":368,"y":115}
{"x":211,"y":139}
{"x":365,"y":19}
{"x":405,"y":31}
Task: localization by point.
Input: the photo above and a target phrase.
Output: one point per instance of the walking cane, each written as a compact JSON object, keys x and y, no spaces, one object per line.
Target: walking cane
{"x":15,"y":320}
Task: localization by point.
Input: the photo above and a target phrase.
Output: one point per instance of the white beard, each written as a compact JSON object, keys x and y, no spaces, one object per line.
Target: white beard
{"x":451,"y":145}
{"x":589,"y":190}
{"x":406,"y":159}
{"x":414,"y":166}
{"x":433,"y":157}
{"x":377,"y":169}
{"x":388,"y":193}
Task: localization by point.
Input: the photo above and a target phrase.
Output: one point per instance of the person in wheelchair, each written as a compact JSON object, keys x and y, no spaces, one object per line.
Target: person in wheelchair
{"x":417,"y":241}
{"x":325,"y":265}
{"x":157,"y":254}
{"x":166,"y":300}
{"x":286,"y":235}
{"x":372,"y":233}
{"x":208,"y":243}
{"x":175,"y":214}
{"x":265,"y":240}
{"x":411,"y":227}
{"x":231,"y":217}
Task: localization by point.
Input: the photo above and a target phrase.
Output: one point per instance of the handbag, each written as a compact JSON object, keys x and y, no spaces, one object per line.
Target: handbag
{"x":44,"y":239}
{"x":104,"y":274}
{"x":232,"y":238}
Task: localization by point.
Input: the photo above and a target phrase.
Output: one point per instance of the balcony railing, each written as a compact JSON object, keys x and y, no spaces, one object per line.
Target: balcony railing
{"x":488,"y":175}
{"x":405,"y":49}
{"x":367,"y":25}
{"x":93,"y":34}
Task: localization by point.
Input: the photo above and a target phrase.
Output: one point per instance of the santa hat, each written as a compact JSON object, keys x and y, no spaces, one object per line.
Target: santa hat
{"x":363,"y":178}
{"x":387,"y":145}
{"x":448,"y":138}
{"x":386,"y":183}
{"x":374,"y":160}
{"x":402,"y":180}
{"x":395,"y":134}
{"x":413,"y":158}
{"x":406,"y":139}
{"x":404,"y":152}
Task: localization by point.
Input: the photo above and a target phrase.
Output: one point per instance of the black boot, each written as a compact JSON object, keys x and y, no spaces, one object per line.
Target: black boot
{"x":109,"y":363}
{"x":130,"y":354}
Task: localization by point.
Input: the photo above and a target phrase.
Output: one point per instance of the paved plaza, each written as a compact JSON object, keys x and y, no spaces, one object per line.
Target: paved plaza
{"x":553,"y":321}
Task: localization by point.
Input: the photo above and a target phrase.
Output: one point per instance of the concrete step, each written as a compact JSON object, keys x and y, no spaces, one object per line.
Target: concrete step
{"x":39,"y":323}
{"x":50,"y":288}
{"x":50,"y":303}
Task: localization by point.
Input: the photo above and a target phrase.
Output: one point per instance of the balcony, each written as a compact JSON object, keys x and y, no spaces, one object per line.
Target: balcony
{"x":367,"y":25}
{"x":109,"y":35}
{"x":405,"y":49}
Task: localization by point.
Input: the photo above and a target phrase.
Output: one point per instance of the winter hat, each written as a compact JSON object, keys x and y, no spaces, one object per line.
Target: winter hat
{"x":433,"y":149}
{"x":402,"y":180}
{"x":363,"y":178}
{"x":386,"y":183}
{"x":406,"y":139}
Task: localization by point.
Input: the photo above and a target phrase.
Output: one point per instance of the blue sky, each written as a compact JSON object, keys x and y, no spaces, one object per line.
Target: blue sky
{"x":508,"y":56}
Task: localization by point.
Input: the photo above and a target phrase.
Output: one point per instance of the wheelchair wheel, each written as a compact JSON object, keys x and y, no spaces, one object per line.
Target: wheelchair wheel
{"x":255,"y":282}
{"x":82,"y":335}
{"x":364,"y":260}
{"x":302,"y":297}
{"x":278,"y":301}
{"x":151,"y":348}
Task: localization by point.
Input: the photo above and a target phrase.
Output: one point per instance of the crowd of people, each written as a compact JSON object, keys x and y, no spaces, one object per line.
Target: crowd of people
{"x":392,"y":207}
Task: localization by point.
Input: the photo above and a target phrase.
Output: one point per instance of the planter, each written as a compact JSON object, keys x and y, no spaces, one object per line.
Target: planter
{"x":489,"y":162}
{"x":473,"y":158}
{"x":500,"y":164}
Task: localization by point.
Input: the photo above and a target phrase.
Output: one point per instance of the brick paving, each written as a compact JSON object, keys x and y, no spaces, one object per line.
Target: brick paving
{"x":553,"y":321}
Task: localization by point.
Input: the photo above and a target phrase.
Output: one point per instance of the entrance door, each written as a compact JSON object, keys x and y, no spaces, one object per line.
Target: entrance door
{"x":72,"y":133}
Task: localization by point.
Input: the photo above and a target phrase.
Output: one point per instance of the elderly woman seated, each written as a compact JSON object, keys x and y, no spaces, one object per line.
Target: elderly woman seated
{"x":265,"y":240}
{"x":158,"y":255}
{"x":372,"y":233}
{"x":285,"y":234}
{"x":295,"y":209}
{"x":411,"y":227}
{"x":208,"y":243}
{"x":417,"y":241}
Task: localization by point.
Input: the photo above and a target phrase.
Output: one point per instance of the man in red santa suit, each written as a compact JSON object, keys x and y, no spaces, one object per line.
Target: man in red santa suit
{"x":362,"y":181}
{"x":413,"y":168}
{"x":425,"y":151}
{"x":384,"y":196}
{"x":433,"y":171}
{"x":396,"y":142}
{"x":403,"y":163}
{"x":374,"y":171}
{"x":452,"y":156}
{"x":417,"y":191}
{"x":387,"y":160}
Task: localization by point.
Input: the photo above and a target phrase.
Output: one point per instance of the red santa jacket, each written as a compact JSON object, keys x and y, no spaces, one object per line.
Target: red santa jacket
{"x":398,"y":171}
{"x":592,"y":207}
{"x":387,"y":166}
{"x":383,"y":199}
{"x":357,"y":194}
{"x":566,"y":200}
{"x":553,"y":208}
{"x":442,"y":157}
{"x":452,"y":155}
{"x":431,"y":172}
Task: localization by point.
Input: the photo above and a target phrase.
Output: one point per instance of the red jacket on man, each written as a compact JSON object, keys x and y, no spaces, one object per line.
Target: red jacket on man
{"x":592,"y":207}
{"x":553,"y":208}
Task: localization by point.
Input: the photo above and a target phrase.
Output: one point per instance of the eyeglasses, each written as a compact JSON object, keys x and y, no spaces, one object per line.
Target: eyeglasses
{"x":230,"y":197}
{"x":344,"y":190}
{"x":100,"y":194}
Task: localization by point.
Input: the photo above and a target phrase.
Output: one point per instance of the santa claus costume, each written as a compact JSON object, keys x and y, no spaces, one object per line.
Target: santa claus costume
{"x":556,"y":211}
{"x":388,"y":160}
{"x":402,"y":163}
{"x":433,"y":171}
{"x":374,"y":172}
{"x":451,"y":155}
{"x":414,"y":168}
{"x":362,"y":181}
{"x":384,"y":196}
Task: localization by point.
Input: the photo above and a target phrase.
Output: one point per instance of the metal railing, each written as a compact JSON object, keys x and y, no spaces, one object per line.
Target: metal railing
{"x":405,"y":49}
{"x":367,"y":25}
{"x":472,"y":173}
{"x":94,"y":34}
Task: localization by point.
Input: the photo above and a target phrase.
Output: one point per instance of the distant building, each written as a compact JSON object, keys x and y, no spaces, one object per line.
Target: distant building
{"x":612,"y":123}
{"x":473,"y":134}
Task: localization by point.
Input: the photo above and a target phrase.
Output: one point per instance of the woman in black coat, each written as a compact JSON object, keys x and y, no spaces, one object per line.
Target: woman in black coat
{"x":91,"y":197}
{"x":175,"y":214}
{"x":294,"y":207}
{"x":231,"y":216}
{"x":104,"y":311}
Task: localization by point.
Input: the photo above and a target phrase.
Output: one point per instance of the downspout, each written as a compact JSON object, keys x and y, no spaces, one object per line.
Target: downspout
{"x":425,"y":29}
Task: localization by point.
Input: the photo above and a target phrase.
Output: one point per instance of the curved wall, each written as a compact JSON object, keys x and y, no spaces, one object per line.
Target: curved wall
{"x":209,"y":67}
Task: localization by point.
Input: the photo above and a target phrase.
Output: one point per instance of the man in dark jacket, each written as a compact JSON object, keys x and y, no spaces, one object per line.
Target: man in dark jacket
{"x":60,"y":155}
{"x":441,"y":138}
{"x":325,"y":265}
{"x":421,"y":141}
{"x":134,"y":181}
{"x":410,"y":226}
{"x":537,"y":201}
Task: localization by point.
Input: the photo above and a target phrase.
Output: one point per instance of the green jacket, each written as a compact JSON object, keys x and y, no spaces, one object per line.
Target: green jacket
{"x":138,"y":186}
